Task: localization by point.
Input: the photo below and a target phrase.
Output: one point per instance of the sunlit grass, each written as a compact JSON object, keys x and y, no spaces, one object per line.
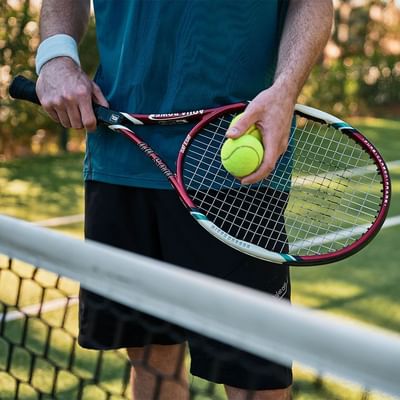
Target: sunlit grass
{"x":309,"y":385}
{"x":37,"y":188}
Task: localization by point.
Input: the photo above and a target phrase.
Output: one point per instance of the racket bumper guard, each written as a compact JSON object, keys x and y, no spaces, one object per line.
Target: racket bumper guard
{"x":244,"y":247}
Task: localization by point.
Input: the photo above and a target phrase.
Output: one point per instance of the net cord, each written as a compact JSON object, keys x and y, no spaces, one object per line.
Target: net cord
{"x":239,"y":316}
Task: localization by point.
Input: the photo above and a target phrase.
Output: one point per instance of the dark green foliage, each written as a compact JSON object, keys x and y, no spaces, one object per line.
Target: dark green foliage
{"x":23,"y":123}
{"x":360,"y":72}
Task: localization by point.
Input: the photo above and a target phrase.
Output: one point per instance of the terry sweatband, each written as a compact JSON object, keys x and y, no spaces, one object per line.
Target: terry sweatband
{"x":60,"y":45}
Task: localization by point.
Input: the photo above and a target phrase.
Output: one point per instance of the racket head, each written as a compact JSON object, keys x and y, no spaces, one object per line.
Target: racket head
{"x":327,"y":197}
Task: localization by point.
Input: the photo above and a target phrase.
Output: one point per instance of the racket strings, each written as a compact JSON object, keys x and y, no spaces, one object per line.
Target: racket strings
{"x":216,"y":192}
{"x":324,"y":193}
{"x":356,"y":195}
{"x":229,"y":207}
{"x":238,"y":210}
{"x":261,"y":225}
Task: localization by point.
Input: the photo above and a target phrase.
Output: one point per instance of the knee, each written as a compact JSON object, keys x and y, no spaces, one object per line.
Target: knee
{"x":242,"y":394}
{"x":161,"y":357}
{"x":136,"y":354}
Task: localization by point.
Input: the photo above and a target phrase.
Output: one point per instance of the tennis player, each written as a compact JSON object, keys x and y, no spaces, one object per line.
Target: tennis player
{"x":160,"y":57}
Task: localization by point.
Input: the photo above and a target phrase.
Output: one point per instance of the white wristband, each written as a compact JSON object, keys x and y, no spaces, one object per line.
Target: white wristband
{"x":59,"y":45}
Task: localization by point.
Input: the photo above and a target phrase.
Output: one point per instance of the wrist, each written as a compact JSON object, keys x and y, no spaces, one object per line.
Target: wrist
{"x":57,"y":46}
{"x":59,"y":64}
{"x":285,"y":89}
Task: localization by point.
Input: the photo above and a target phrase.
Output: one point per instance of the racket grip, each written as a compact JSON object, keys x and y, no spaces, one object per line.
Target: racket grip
{"x":23,"y":89}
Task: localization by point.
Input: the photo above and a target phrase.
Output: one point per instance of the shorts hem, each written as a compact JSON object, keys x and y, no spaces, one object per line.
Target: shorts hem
{"x":90,"y":345}
{"x":233,"y":382}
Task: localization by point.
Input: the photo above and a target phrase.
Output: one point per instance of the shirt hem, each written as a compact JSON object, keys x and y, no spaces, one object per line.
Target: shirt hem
{"x":126,"y":181}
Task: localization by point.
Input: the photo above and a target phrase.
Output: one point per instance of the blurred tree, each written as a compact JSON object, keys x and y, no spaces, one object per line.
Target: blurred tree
{"x":25,"y":127}
{"x":360,"y":70}
{"x":18,"y":38}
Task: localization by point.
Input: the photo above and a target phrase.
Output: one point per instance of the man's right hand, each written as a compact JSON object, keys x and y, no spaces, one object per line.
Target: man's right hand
{"x":67,"y":93}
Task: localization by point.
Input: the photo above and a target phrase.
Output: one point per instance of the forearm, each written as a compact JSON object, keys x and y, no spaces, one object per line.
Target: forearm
{"x":64,"y":16}
{"x":307,"y":29}
{"x":63,"y":88}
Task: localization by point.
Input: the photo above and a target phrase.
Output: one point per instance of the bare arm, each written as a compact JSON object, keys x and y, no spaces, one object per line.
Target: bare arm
{"x":307,"y":29}
{"x":64,"y":16}
{"x":64,"y":90}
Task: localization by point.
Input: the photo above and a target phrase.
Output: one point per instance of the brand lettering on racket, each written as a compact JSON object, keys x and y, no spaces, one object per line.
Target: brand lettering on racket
{"x":184,"y":144}
{"x":114,"y":117}
{"x":175,"y":116}
{"x":385,"y":172}
{"x":230,"y":238}
{"x":156,"y":159}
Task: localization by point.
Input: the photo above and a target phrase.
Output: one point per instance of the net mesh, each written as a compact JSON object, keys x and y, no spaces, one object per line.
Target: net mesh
{"x":335,"y":190}
{"x":40,"y":357}
{"x":39,"y":354}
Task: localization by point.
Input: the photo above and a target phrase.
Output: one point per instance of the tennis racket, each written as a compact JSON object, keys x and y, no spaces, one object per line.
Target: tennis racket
{"x":326,"y":199}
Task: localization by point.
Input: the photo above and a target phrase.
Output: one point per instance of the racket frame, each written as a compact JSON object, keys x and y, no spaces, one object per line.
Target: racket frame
{"x":370,"y":149}
{"x":204,"y":117}
{"x":22,"y":88}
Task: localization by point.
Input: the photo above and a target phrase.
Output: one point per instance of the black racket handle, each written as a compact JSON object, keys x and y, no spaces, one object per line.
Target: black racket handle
{"x":23,"y":89}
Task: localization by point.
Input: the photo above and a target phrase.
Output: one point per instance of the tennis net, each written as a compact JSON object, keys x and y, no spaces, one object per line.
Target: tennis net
{"x":40,"y":357}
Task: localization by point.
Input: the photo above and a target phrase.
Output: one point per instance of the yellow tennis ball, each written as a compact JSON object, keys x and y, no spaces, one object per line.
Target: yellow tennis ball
{"x":242,"y":156}
{"x":253,"y":130}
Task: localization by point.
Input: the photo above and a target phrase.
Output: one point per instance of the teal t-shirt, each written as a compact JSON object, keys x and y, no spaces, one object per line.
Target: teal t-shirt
{"x":159,"y":56}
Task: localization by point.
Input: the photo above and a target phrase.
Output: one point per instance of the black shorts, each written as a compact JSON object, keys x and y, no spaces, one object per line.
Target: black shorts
{"x":155,"y":223}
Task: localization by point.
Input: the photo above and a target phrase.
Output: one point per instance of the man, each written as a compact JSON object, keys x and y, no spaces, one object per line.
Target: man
{"x":160,"y":57}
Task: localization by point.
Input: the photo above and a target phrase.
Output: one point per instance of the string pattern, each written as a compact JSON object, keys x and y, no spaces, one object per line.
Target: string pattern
{"x":324,"y":193}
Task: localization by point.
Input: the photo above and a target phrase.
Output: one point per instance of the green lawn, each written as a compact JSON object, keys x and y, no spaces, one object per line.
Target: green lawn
{"x":363,"y":287}
{"x":42,"y":187}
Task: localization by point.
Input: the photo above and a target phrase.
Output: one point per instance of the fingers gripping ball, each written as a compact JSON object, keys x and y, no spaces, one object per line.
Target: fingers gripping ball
{"x":251,"y":131}
{"x":242,"y":156}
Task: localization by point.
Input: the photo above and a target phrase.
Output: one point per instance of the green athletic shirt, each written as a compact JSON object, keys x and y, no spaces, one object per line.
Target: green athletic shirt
{"x":159,"y":56}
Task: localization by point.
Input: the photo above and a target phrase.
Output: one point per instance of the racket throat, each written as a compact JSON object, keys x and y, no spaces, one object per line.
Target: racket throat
{"x":147,"y":150}
{"x":163,"y":167}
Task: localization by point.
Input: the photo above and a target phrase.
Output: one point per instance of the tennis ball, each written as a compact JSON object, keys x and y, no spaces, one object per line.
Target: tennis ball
{"x":253,"y":130}
{"x":242,"y":156}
